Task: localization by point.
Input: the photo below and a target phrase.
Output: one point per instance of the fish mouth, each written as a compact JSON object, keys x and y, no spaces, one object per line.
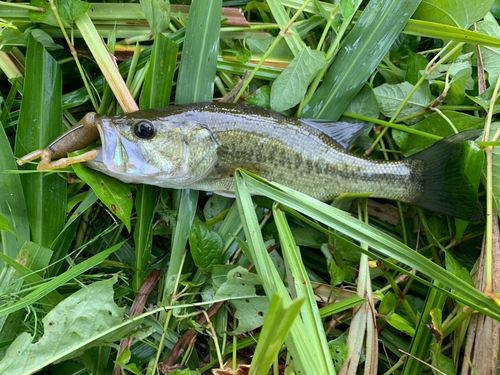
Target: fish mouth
{"x":112,"y":153}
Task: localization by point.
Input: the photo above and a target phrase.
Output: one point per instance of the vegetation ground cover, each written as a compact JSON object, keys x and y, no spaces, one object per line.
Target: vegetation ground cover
{"x":103,"y":277}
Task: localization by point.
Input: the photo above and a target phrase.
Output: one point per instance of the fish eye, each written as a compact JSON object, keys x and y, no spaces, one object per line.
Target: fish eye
{"x":144,"y":130}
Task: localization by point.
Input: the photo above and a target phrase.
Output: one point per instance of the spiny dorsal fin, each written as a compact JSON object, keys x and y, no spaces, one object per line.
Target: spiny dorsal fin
{"x":344,"y":133}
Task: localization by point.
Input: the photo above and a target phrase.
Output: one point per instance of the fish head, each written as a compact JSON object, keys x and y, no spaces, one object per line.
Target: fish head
{"x":154,"y":148}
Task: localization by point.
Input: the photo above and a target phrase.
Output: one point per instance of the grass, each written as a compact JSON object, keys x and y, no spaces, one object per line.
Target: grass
{"x":356,"y":286}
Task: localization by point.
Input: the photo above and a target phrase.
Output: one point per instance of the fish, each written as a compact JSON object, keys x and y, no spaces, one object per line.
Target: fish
{"x":200,"y":146}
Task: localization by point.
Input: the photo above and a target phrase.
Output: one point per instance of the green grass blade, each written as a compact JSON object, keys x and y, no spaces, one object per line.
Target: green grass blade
{"x":437,"y":30}
{"x":310,"y":314}
{"x":40,"y":121}
{"x":158,"y":82}
{"x":281,"y":17}
{"x":199,"y":54}
{"x":12,"y":204}
{"x":306,"y":359}
{"x":28,"y":270}
{"x":278,"y":321}
{"x":58,"y":281}
{"x":340,"y":306}
{"x":145,"y":204}
{"x":421,"y":341}
{"x":364,"y":47}
{"x":376,"y":239}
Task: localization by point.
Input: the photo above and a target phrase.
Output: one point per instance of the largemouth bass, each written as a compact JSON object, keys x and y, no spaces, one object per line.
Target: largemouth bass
{"x":199,"y":146}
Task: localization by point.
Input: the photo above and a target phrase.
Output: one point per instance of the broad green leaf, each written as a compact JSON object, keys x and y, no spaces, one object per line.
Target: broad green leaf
{"x":337,"y":274}
{"x":437,"y":125}
{"x":279,"y":320}
{"x":261,"y":8}
{"x":457,"y":269}
{"x":40,"y":122}
{"x":484,"y":100}
{"x":416,"y":63}
{"x":347,"y":7}
{"x":291,"y":85}
{"x":441,"y":362}
{"x":68,"y":10}
{"x":116,"y":195}
{"x":364,"y":103}
{"x":46,"y":40}
{"x":453,"y":12}
{"x":363,"y":49}
{"x":400,"y":323}
{"x":157,"y":13}
{"x":473,"y":165}
{"x":387,"y":304}
{"x":260,"y":46}
{"x":309,"y":237}
{"x":205,"y":245}
{"x":260,"y":97}
{"x":390,"y":97}
{"x":72,"y":327}
{"x":216,"y":205}
{"x":13,"y":37}
{"x":490,"y":55}
{"x":459,"y":76}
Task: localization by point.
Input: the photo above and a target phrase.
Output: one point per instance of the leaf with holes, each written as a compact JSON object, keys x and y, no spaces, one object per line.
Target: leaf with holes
{"x":250,"y":311}
{"x":85,"y":319}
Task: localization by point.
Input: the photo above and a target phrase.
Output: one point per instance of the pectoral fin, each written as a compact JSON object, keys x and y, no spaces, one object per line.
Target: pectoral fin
{"x":228,"y":170}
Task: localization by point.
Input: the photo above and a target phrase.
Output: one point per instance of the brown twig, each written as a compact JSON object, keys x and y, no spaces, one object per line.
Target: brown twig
{"x":138,"y":307}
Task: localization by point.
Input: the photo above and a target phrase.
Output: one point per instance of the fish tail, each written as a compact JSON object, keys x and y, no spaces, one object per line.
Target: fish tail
{"x":445,"y":187}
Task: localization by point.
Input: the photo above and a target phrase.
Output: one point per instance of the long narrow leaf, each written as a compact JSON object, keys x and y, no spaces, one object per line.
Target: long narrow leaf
{"x":306,"y":358}
{"x":12,"y":204}
{"x":310,"y":314}
{"x":364,"y":47}
{"x":40,"y":121}
{"x":376,"y":239}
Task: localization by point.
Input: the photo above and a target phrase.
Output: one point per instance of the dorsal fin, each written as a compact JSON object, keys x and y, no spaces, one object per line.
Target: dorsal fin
{"x":344,"y":133}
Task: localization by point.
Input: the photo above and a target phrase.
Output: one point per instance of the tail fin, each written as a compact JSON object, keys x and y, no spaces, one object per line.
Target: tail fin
{"x":446,"y":188}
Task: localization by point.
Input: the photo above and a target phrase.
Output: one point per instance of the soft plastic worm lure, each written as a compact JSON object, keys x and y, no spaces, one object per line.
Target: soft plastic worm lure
{"x":75,"y":138}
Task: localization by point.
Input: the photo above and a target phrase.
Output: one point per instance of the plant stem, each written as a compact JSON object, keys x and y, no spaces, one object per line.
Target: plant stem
{"x":281,"y":35}
{"x":73,"y":53}
{"x":23,"y":6}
